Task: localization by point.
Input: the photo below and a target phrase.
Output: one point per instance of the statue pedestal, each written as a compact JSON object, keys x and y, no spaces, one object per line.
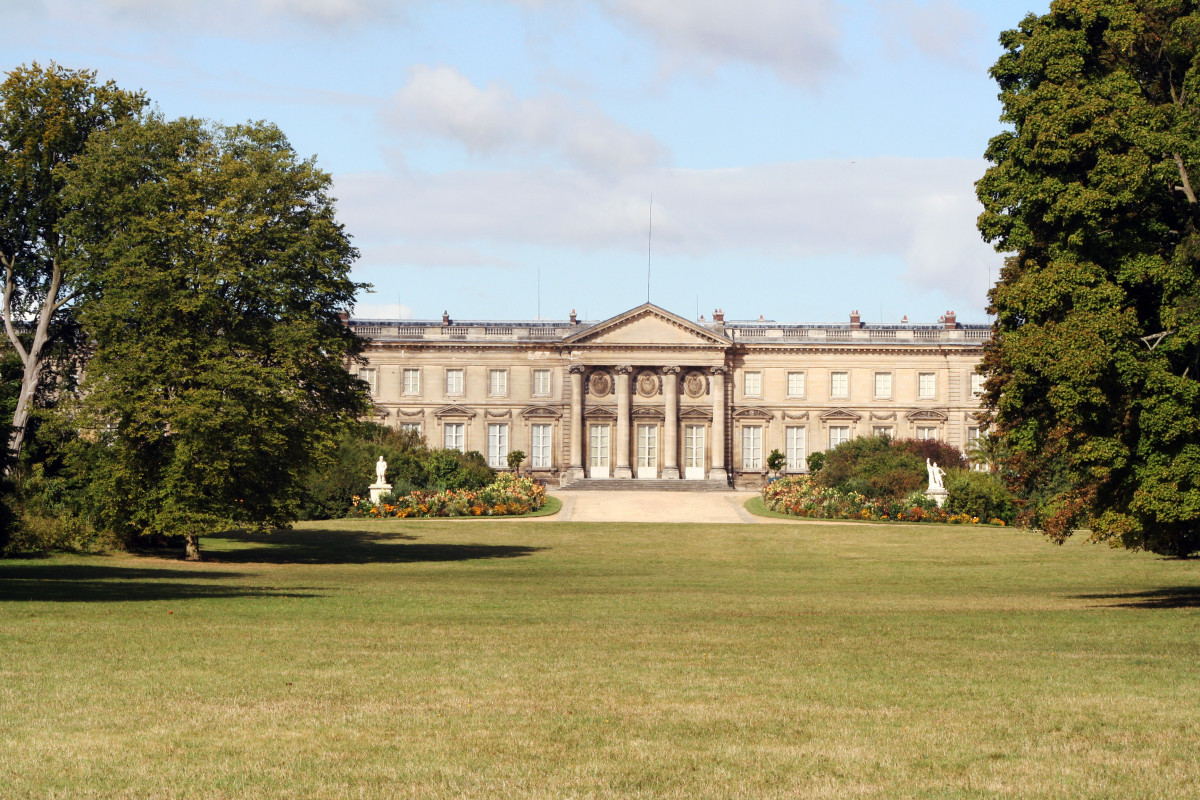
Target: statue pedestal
{"x":378,"y":490}
{"x":939,"y":496}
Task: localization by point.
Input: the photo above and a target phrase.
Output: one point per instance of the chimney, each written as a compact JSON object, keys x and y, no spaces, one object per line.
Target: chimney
{"x":718,"y":315}
{"x":345,"y":318}
{"x":855,"y":320}
{"x":904,"y":320}
{"x":574,"y":319}
{"x":445,"y":318}
{"x":951,"y":320}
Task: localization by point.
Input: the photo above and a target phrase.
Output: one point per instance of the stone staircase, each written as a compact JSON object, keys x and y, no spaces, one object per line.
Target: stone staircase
{"x":656,"y":485}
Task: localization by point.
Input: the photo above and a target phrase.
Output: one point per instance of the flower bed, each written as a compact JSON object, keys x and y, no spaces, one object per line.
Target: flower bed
{"x":802,"y":497}
{"x":506,"y":496}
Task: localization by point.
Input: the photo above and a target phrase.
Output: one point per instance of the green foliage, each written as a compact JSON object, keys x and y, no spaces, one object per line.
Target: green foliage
{"x":881,"y":467}
{"x":213,"y":272}
{"x":1093,"y":372}
{"x":330,"y":488}
{"x":776,"y":461}
{"x":815,"y":461}
{"x":979,"y":494}
{"x":47,"y":116}
{"x":515,"y":458}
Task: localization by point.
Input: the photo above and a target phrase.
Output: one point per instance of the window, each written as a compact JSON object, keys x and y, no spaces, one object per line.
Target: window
{"x":411,"y":427}
{"x":795,"y":384}
{"x":497,"y":382}
{"x":539,"y":446}
{"x":883,"y":385}
{"x":455,"y":436}
{"x":924,"y":432}
{"x":752,"y":384}
{"x":368,"y":375}
{"x":838,"y":434}
{"x":839,"y":384}
{"x":541,"y":383}
{"x":881,"y":430}
{"x":976,"y":385}
{"x":454,"y":381}
{"x":411,"y":382}
{"x":926,"y":385}
{"x":794,"y":443}
{"x":752,"y":447}
{"x":497,"y":444}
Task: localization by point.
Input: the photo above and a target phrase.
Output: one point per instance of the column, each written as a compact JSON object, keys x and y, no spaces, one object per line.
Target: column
{"x":575,"y":466}
{"x":670,"y":448}
{"x":717,"y":447}
{"x":623,"y":468}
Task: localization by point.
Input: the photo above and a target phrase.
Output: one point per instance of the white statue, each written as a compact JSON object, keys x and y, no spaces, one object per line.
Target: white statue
{"x":380,"y":470}
{"x":935,"y":476}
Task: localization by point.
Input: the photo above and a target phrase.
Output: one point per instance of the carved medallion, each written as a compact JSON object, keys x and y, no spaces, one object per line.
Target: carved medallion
{"x":647,"y":384}
{"x":600,"y":384}
{"x":694,"y":385}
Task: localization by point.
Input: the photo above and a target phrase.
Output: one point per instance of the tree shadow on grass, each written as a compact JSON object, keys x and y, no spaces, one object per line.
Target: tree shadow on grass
{"x":1170,"y":597}
{"x":332,"y":546}
{"x":87,"y":583}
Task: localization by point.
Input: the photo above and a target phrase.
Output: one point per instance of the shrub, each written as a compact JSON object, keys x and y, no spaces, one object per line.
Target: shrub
{"x":507,"y":494}
{"x":875,"y":466}
{"x":979,"y":494}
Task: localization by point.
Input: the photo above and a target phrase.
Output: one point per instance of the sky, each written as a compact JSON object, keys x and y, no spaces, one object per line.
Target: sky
{"x":518,"y":159}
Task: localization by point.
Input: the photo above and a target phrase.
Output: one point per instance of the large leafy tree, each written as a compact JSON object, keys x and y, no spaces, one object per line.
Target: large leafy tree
{"x":1093,"y":372}
{"x":47,"y":115}
{"x":213,"y":272}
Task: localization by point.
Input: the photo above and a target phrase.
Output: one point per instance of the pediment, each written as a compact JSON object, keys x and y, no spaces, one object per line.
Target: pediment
{"x":696,"y":413}
{"x":753,"y":413}
{"x":647,"y":325}
{"x":542,"y":412}
{"x":840,"y":413}
{"x":927,"y":414}
{"x":648,"y":412}
{"x":600,"y":412}
{"x":454,"y":411}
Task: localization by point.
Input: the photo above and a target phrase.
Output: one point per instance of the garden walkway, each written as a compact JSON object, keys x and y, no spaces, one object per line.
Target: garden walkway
{"x":618,"y":506}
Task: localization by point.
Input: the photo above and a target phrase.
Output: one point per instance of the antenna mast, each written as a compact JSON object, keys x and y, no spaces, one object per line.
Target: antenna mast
{"x":649,"y":241}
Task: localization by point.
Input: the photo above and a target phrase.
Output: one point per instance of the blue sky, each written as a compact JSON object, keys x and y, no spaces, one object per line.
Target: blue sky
{"x":805,"y":157}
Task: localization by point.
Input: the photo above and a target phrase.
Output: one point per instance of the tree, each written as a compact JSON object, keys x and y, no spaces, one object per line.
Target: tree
{"x":213,"y":273}
{"x":1093,"y":368}
{"x":514,"y":460}
{"x":47,"y":116}
{"x":776,"y":461}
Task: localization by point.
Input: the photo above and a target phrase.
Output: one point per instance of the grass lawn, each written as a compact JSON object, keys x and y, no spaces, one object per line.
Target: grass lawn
{"x":521,"y":659}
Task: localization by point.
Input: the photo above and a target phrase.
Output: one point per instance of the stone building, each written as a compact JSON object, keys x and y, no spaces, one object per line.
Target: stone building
{"x":651,"y":395}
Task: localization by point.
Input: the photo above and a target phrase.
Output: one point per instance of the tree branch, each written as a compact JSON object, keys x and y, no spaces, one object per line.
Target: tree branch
{"x":1183,"y":176}
{"x":65,"y":300}
{"x":9,"y":288}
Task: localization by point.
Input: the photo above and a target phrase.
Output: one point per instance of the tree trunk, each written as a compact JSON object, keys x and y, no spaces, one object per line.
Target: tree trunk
{"x":191,"y":547}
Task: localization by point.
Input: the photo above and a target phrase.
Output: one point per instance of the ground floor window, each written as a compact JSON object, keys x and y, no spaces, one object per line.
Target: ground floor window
{"x":497,"y":445}
{"x":794,"y":443}
{"x":456,"y":434}
{"x":411,"y":427}
{"x":752,"y":447}
{"x":924,"y":432}
{"x":838,"y":434}
{"x":881,"y":430}
{"x":539,"y":446}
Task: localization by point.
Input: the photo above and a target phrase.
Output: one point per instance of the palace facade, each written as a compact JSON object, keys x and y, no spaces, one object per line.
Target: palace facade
{"x":651,"y":395}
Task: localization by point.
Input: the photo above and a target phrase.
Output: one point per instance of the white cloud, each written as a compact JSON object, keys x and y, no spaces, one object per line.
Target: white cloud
{"x":440,"y":102}
{"x":920,"y":211}
{"x":798,"y":39}
{"x":378,"y":310}
{"x":236,"y":17}
{"x":942,"y":30}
